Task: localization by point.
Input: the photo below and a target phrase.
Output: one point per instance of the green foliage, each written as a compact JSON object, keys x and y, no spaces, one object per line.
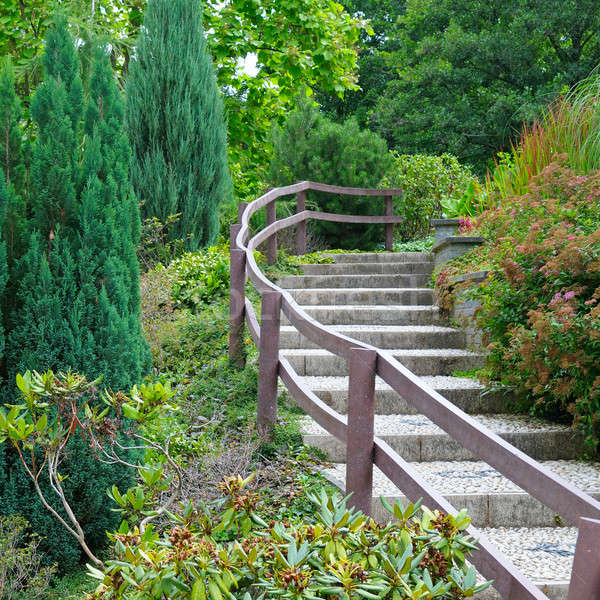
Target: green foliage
{"x":157,"y":246}
{"x":175,"y":123}
{"x":21,"y":570}
{"x":299,"y":45}
{"x":55,"y":410}
{"x":78,"y":283}
{"x":430,"y":184}
{"x":420,"y":245}
{"x":73,"y":298}
{"x":228,"y":551}
{"x":375,"y":69}
{"x":310,"y":147}
{"x":540,"y":308}
{"x":570,"y":126}
{"x":25,"y":25}
{"x":467,"y":74}
{"x":12,"y":163}
{"x":200,"y":277}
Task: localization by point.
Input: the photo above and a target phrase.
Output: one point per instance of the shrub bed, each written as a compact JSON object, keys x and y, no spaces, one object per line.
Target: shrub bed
{"x":540,"y":309}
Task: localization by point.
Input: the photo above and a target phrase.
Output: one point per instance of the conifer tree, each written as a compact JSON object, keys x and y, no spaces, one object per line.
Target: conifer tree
{"x":11,"y":162}
{"x":175,"y":122}
{"x":77,"y":302}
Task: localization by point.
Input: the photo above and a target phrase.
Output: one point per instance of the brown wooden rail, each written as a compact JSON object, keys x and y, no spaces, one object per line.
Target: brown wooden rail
{"x":365,"y":363}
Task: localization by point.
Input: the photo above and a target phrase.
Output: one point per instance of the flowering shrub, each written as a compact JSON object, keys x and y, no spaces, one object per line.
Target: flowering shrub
{"x":540,"y":310}
{"x":228,"y":551}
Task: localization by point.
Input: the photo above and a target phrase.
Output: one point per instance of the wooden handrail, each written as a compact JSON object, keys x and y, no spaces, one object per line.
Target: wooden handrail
{"x":541,"y":483}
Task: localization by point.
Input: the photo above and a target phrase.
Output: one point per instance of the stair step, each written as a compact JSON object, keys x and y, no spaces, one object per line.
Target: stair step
{"x":468,"y":394}
{"x":378,"y":257}
{"x":544,"y":554}
{"x":368,"y":268}
{"x":443,"y":361}
{"x":491,"y":499}
{"x":363,"y":296}
{"x":417,"y":439}
{"x":384,"y":336}
{"x":349,"y":281}
{"x":369,"y":314}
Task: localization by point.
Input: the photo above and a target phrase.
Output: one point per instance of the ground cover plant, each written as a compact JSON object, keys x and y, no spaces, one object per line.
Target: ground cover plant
{"x":540,"y":306}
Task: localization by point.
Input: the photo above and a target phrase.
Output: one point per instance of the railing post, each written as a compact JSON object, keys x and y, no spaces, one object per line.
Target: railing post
{"x":237,"y":301}
{"x":301,"y":227}
{"x":361,"y":411}
{"x":272,"y":241}
{"x":241,"y":208}
{"x":585,"y":576}
{"x":389,"y":228}
{"x":268,"y":361}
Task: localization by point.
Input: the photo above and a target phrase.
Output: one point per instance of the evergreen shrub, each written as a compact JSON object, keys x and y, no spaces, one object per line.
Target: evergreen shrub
{"x":226,"y":550}
{"x":176,"y":125}
{"x":72,"y":299}
{"x":310,"y":147}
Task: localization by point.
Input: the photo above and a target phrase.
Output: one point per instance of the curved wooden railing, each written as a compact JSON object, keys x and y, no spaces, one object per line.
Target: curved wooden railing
{"x":365,"y":363}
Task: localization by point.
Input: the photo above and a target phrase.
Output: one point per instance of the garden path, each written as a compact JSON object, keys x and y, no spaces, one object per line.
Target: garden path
{"x":382,"y":299}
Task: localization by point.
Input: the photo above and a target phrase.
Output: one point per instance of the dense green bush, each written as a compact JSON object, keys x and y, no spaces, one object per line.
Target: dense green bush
{"x":228,"y":551}
{"x":540,"y":310}
{"x":310,"y":147}
{"x":429,"y":183}
{"x":21,"y":570}
{"x":198,"y":277}
{"x":74,"y":300}
{"x":175,"y":123}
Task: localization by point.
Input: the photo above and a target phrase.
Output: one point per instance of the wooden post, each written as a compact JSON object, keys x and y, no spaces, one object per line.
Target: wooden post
{"x":237,"y":300}
{"x":301,"y":227}
{"x":389,"y":228}
{"x":585,"y":576}
{"x":272,"y":241}
{"x":241,"y":208}
{"x":361,"y":411}
{"x":268,"y":361}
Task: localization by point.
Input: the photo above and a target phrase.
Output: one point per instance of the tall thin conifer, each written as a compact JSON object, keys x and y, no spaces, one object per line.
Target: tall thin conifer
{"x":175,"y":122}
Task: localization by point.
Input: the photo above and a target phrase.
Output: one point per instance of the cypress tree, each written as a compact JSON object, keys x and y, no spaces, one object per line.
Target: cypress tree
{"x":11,"y":162}
{"x":57,"y":109}
{"x":77,"y":300}
{"x":175,"y":123}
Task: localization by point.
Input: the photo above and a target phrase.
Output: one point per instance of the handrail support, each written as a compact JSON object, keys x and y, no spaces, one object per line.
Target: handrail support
{"x":361,"y":428}
{"x":268,"y":362}
{"x":585,"y":576}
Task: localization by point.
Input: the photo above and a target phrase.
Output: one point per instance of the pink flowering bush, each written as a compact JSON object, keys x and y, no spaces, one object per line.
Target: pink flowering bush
{"x":541,"y":309}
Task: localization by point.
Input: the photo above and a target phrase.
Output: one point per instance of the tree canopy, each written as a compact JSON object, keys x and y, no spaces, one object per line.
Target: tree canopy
{"x":469,"y":73}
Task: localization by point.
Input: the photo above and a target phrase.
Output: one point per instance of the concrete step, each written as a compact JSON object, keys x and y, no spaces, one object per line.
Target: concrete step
{"x":352,"y":281}
{"x":381,"y":257}
{"x":372,"y":314}
{"x":363,"y":296}
{"x":491,"y":499}
{"x":384,"y":336}
{"x":544,"y":554}
{"x":444,"y":361}
{"x":417,"y":439}
{"x":468,"y":394}
{"x":369,"y":268}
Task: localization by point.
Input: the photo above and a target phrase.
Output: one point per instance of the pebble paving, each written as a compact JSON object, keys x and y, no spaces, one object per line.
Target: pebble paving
{"x":474,"y":477}
{"x":542,"y":553}
{"x":421,"y":425}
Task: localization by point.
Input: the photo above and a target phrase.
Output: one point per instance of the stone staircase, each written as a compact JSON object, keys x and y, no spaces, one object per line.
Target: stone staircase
{"x":382,"y":299}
